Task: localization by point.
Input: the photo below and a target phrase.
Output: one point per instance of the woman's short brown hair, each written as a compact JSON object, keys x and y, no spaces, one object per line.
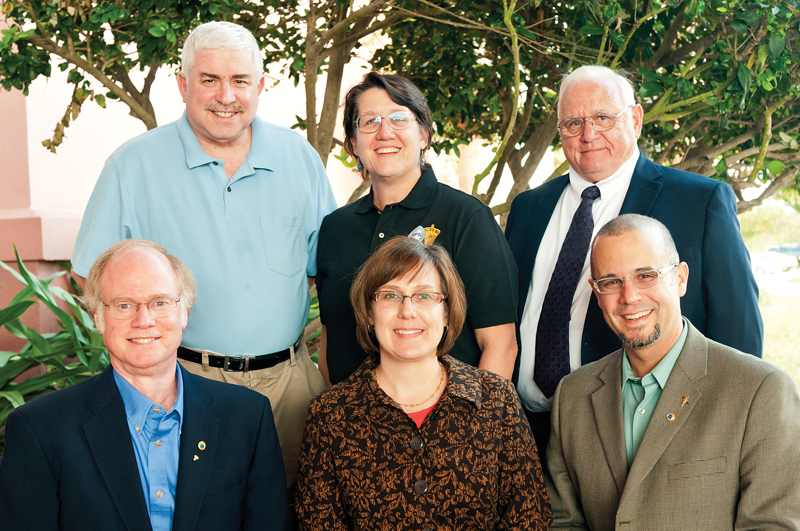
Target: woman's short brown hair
{"x":397,"y":258}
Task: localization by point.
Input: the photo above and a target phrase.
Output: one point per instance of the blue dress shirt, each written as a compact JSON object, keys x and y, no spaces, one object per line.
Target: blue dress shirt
{"x":156,"y":437}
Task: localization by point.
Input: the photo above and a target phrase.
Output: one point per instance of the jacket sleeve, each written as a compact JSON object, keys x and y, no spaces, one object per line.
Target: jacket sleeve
{"x":28,"y":486}
{"x":523,"y":503}
{"x":770,"y":460}
{"x":567,"y":509}
{"x":733,"y":317}
{"x":319,"y":504}
{"x":265,"y":505}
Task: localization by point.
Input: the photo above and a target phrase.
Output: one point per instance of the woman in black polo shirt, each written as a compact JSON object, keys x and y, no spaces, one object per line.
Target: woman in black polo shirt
{"x":388,"y":127}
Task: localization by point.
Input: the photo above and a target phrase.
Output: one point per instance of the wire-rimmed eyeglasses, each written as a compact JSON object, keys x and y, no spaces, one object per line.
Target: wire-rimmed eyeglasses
{"x":126,"y":308}
{"x":425,"y":299}
{"x":369,"y":123}
{"x":601,"y":122}
{"x":641,"y":279}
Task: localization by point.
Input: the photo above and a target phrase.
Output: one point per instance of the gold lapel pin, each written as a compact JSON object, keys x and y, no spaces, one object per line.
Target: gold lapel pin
{"x":685,"y":400}
{"x":201,"y":445}
{"x":670,"y":416}
{"x":195,"y":458}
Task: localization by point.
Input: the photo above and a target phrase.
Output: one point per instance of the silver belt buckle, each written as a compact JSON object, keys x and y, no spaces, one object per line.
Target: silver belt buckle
{"x":226,"y":364}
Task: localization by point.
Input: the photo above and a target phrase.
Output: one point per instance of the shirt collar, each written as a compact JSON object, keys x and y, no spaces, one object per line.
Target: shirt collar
{"x":609,"y":186}
{"x":661,"y":371}
{"x":138,"y":406}
{"x":419,"y":197}
{"x":195,"y":156}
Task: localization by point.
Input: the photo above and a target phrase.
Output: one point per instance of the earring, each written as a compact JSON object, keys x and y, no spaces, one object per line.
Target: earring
{"x":360,"y":166}
{"x":422,"y":159}
{"x":370,"y":329}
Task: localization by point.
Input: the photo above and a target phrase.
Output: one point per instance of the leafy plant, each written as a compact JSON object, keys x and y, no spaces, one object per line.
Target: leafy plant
{"x":69,"y":356}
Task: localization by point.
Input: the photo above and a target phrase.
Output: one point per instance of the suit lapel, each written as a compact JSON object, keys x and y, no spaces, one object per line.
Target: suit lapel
{"x":110,"y":442}
{"x":690,"y":367}
{"x":199,"y":426}
{"x":540,"y":217}
{"x":644,"y":188}
{"x":607,"y":405}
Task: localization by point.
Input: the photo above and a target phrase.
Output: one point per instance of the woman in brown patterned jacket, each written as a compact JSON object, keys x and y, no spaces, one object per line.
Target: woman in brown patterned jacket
{"x":415,"y":439}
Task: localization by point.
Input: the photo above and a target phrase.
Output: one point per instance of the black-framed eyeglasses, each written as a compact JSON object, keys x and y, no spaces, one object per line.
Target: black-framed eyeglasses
{"x":641,"y":279}
{"x":425,"y":299}
{"x":601,"y":123}
{"x":125,"y":308}
{"x":369,"y":123}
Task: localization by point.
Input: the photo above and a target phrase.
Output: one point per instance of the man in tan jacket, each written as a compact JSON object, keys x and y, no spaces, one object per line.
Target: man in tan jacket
{"x":673,"y":431}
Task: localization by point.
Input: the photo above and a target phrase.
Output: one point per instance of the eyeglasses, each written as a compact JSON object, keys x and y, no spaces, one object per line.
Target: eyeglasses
{"x":125,"y":309}
{"x":369,"y":123}
{"x":392,"y":299}
{"x":600,"y":123}
{"x":642,"y":280}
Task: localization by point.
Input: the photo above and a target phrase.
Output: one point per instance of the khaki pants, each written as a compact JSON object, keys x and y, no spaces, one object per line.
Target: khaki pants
{"x":290,"y":387}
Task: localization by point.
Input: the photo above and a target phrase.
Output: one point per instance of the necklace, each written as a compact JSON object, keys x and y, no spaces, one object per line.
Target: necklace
{"x":439,"y":386}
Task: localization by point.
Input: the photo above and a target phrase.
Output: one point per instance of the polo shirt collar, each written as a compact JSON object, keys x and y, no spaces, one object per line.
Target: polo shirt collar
{"x":420,"y":196}
{"x":195,"y":156}
{"x":661,"y":371}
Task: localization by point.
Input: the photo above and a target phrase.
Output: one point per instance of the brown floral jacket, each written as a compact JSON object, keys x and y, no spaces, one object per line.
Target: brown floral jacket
{"x":473,"y":465}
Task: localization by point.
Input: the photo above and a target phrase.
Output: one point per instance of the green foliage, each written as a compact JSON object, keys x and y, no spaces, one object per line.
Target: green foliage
{"x":99,"y":41}
{"x":56,"y":352}
{"x":710,"y":75}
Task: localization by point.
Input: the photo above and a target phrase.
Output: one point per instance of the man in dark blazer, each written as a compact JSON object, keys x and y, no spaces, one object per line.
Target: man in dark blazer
{"x":199,"y":455}
{"x":673,"y":431}
{"x":600,"y":124}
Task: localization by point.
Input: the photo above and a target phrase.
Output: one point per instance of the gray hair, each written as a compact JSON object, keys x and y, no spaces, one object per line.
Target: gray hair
{"x":597,"y":73}
{"x":94,"y":281}
{"x":220,"y":36}
{"x":636,"y":222}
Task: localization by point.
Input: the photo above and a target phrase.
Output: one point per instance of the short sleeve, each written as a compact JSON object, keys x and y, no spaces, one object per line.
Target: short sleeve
{"x":106,"y":220}
{"x":489,"y":272}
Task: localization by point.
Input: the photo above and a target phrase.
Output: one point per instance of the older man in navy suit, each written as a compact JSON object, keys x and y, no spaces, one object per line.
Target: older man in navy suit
{"x":144,"y":445}
{"x":550,"y":227}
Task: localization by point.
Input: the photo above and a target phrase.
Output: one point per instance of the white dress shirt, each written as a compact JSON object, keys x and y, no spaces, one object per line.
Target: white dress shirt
{"x":612,"y":193}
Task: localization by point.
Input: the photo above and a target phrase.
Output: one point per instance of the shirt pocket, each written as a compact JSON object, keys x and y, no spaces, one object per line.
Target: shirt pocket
{"x":284,"y":245}
{"x":706,"y":467}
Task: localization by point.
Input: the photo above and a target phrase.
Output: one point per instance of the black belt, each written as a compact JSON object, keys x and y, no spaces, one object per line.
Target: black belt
{"x":236,"y":363}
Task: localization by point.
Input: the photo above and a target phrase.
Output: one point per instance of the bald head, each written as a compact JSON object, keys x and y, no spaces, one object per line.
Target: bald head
{"x":656,"y":232}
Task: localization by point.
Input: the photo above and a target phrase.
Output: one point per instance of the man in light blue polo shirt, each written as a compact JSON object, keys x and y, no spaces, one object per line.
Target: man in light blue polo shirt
{"x":240,"y":201}
{"x":673,"y":431}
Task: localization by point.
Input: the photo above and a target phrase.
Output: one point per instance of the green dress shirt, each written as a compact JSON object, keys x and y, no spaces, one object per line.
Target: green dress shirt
{"x":640,"y":395}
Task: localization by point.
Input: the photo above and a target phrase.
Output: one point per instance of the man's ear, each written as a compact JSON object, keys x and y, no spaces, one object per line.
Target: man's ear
{"x":182,"y":85}
{"x":683,"y":277}
{"x":99,"y":322}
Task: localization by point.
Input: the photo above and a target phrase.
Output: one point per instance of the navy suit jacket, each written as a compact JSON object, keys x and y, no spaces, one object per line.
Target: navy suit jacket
{"x":722,"y":296}
{"x":69,"y":462}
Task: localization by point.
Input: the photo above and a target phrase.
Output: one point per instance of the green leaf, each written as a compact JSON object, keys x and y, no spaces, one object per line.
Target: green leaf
{"x":592,"y":30}
{"x":617,"y":38}
{"x":776,"y":45}
{"x":14,"y":397}
{"x":157,"y":31}
{"x":723,"y":123}
{"x":650,"y":89}
{"x":784,"y":137}
{"x":745,"y":78}
{"x":101,"y":100}
{"x":14,"y":311}
{"x":748,"y":16}
{"x":775,"y":167}
{"x":739,"y":26}
{"x":722,"y":167}
{"x":525,"y":32}
{"x":5,"y":356}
